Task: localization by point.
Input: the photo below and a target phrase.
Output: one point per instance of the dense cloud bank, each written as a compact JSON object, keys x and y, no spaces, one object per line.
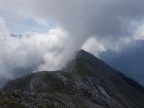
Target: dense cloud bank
{"x":30,"y":52}
{"x":95,"y":25}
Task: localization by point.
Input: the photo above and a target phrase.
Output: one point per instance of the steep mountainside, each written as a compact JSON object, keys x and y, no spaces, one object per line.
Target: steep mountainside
{"x":86,"y":82}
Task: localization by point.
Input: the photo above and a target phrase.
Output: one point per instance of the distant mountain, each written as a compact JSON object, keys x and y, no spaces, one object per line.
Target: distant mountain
{"x":15,"y":35}
{"x":86,"y":82}
{"x":129,"y":60}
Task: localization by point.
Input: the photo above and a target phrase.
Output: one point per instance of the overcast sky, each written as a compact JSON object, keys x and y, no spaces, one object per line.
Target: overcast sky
{"x":49,"y":32}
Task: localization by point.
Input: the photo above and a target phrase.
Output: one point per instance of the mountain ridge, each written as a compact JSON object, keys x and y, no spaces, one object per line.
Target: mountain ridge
{"x":86,"y":78}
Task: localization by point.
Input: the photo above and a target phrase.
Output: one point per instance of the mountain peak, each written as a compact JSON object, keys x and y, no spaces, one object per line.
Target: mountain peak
{"x":86,"y":79}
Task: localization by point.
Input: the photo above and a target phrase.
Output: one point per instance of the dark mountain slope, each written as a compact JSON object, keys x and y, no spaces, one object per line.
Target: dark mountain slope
{"x":86,"y":82}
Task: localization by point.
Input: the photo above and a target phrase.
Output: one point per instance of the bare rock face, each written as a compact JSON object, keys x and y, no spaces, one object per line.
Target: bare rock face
{"x":86,"y":82}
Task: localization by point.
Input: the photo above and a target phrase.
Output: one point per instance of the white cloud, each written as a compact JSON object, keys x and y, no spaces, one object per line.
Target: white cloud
{"x":94,"y":46}
{"x":41,"y":22}
{"x":139,"y":33}
{"x":43,"y":51}
{"x":3,"y":30}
